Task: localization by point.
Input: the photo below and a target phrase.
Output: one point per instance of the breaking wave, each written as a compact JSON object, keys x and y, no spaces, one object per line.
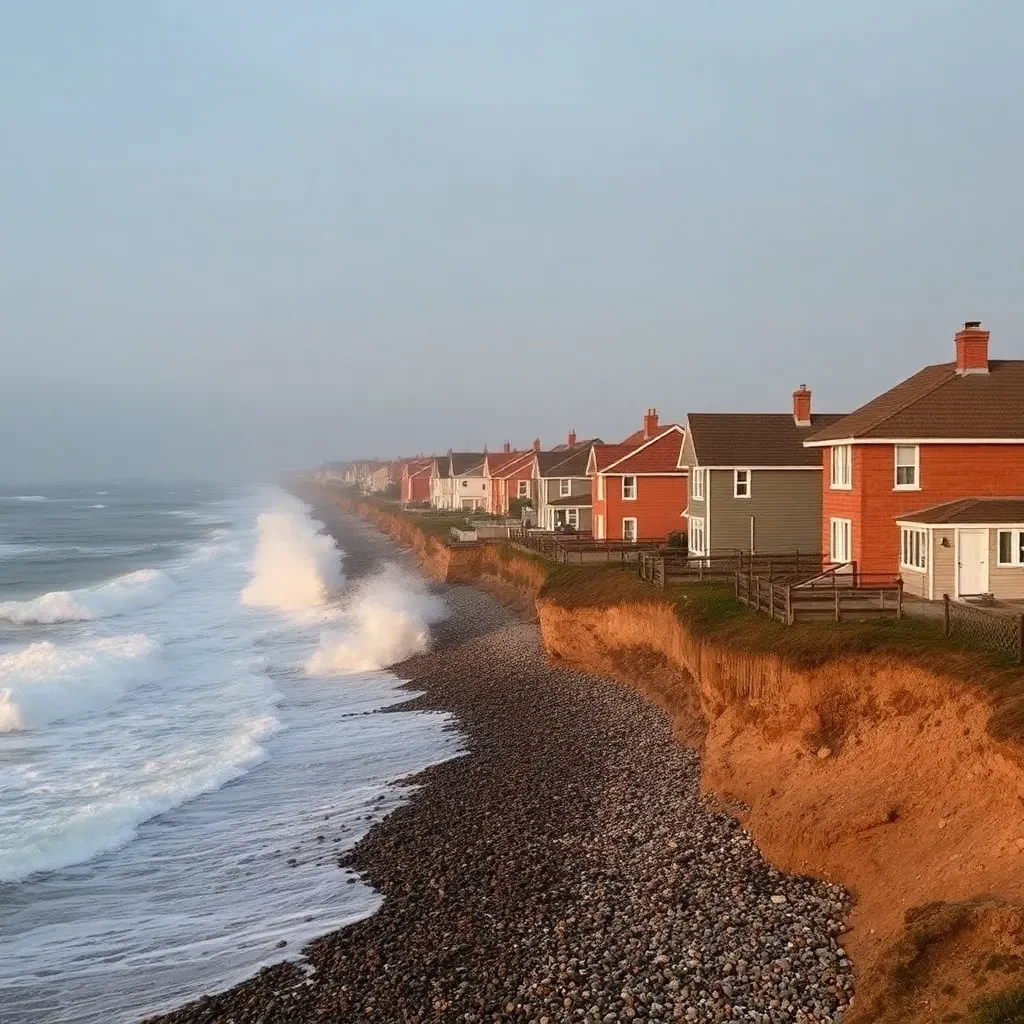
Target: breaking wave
{"x":295,"y":565}
{"x":387,"y":621}
{"x":141,"y":589}
{"x":42,"y":683}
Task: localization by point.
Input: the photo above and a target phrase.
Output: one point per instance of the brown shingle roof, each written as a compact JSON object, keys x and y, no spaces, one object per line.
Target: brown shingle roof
{"x":567,"y":462}
{"x":755,"y":438}
{"x":970,"y":510}
{"x":573,"y":501}
{"x":939,"y":403}
{"x":464,"y":463}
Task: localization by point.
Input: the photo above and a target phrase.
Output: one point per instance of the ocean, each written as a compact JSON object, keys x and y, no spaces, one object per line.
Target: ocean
{"x":190,"y":734}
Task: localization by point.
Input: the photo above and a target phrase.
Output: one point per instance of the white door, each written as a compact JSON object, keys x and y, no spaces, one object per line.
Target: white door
{"x":973,"y":569}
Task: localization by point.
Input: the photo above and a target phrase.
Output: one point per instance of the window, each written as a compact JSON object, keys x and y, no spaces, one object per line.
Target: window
{"x":524,"y":489}
{"x":907,"y":467}
{"x":564,"y":488}
{"x":599,"y":527}
{"x":913,"y":548}
{"x":741,"y":483}
{"x":842,"y":467}
{"x":839,"y":549}
{"x":695,"y":540}
{"x":629,"y":531}
{"x":572,"y":517}
{"x":629,"y":488}
{"x":600,"y":488}
{"x":1011,"y":547}
{"x":697,"y":487}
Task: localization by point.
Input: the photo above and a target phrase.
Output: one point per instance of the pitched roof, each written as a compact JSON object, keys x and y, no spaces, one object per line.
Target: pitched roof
{"x":659,"y":454}
{"x":416,"y":466}
{"x":520,"y":461}
{"x":937,"y":402}
{"x":754,"y":438}
{"x":441,"y":465}
{"x":970,"y":510}
{"x":466,"y":463}
{"x":497,"y":461}
{"x":566,"y":461}
{"x":573,"y":501}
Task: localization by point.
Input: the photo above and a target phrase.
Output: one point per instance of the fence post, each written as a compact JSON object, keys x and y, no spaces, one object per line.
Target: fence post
{"x":835,"y":591}
{"x":757,"y":593}
{"x":1020,"y":639}
{"x":789,"y":605}
{"x":899,"y":601}
{"x":737,"y":584}
{"x":945,"y":615}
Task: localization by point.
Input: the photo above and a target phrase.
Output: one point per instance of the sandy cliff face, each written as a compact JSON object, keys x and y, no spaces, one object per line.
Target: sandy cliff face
{"x":865,"y":771}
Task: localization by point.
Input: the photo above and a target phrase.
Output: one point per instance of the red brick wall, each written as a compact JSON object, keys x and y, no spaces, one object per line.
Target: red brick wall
{"x":947,"y":472}
{"x":658,"y":509}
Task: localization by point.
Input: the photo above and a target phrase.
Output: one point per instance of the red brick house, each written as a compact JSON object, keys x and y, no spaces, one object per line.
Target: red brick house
{"x":504,"y":470}
{"x":416,"y":481}
{"x":639,"y":491}
{"x":905,"y":476}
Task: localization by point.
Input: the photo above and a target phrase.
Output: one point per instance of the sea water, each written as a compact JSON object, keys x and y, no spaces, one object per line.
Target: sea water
{"x":190,"y":735}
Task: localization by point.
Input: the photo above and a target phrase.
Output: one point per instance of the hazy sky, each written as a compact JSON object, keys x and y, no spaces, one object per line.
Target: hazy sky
{"x":239,"y":236}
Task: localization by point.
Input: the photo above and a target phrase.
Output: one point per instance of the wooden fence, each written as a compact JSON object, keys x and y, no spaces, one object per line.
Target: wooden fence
{"x":663,"y":568}
{"x":839,"y":592}
{"x":999,"y":631}
{"x":582,"y":548}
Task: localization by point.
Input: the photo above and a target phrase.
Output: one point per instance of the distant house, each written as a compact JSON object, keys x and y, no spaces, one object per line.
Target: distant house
{"x":378,"y":479}
{"x":754,"y":487}
{"x":639,"y":489}
{"x":909,"y":479}
{"x":562,"y":486}
{"x":441,"y":482}
{"x":504,"y":472}
{"x":416,"y":481}
{"x":466,"y":486}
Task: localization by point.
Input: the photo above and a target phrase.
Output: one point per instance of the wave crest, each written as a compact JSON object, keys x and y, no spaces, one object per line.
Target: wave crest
{"x":141,"y":589}
{"x":387,"y":621}
{"x":295,"y":566}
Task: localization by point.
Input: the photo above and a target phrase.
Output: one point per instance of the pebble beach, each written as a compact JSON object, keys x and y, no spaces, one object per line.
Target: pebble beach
{"x":566,"y":868}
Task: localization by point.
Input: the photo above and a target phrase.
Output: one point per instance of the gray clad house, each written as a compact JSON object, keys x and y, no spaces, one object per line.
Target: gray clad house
{"x":562,"y":486}
{"x":753,"y":485}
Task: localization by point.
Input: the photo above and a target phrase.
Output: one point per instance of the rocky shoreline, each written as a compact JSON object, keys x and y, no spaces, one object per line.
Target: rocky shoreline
{"x":565,"y":869}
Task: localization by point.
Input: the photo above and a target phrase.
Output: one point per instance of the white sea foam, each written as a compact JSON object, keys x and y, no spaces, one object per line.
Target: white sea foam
{"x":25,"y":497}
{"x":99,"y":506}
{"x":387,"y":620}
{"x":131,"y":592}
{"x":43,"y":682}
{"x":112,"y":821}
{"x":295,"y":566}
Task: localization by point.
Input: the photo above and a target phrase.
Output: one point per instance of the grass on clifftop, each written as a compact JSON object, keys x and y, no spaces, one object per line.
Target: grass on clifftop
{"x":1004,"y":1008}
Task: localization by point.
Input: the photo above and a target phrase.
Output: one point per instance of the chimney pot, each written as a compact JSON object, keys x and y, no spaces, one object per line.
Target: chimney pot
{"x":508,"y":446}
{"x":802,"y":406}
{"x":972,"y":349}
{"x":571,"y":439}
{"x":650,"y":423}
{"x":536,"y":444}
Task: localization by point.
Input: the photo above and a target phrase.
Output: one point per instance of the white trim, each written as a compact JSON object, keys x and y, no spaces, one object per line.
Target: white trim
{"x":914,"y":440}
{"x":520,"y":493}
{"x":647,"y":444}
{"x":962,"y":526}
{"x":599,"y":526}
{"x":699,"y":476}
{"x":676,"y":473}
{"x":846,"y":534}
{"x":814,"y":469}
{"x":835,"y":481}
{"x":931,"y":564}
{"x":636,"y":531}
{"x":600,"y":487}
{"x":896,"y":485}
{"x":698,"y":522}
{"x":915,"y":540}
{"x":1016,"y":540}
{"x":565,"y":487}
{"x":625,"y":496}
{"x":956,"y":563}
{"x":736,"y":484}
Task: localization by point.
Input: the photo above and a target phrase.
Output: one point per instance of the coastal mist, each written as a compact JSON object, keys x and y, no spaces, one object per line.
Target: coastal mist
{"x":191,"y":687}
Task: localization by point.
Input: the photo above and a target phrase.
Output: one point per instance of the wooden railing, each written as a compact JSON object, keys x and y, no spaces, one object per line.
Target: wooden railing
{"x":666,"y":567}
{"x":841,"y":591}
{"x":583,"y":548}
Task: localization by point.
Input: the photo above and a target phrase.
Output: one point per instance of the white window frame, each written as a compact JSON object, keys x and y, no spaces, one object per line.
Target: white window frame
{"x":896,"y":467}
{"x":599,"y":526}
{"x":697,"y":487}
{"x":564,"y":487}
{"x":840,"y":481}
{"x":914,"y":548}
{"x":631,"y":496}
{"x":696,"y":536}
{"x":636,"y":531}
{"x":1016,"y":542}
{"x":522,"y":488}
{"x":736,"y":483}
{"x":600,"y":488}
{"x":572,"y":517}
{"x":845,"y":535}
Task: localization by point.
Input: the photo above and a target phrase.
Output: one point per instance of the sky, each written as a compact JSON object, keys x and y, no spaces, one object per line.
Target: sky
{"x":238,"y":236}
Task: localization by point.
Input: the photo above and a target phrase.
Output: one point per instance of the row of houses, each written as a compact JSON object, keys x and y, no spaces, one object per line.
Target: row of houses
{"x":925,"y":481}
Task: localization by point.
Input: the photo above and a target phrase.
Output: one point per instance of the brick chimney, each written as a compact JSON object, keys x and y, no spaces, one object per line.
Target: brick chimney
{"x":650,"y":423}
{"x":972,"y":349}
{"x":802,"y":406}
{"x":571,"y":439}
{"x":536,"y":444}
{"x":508,"y":447}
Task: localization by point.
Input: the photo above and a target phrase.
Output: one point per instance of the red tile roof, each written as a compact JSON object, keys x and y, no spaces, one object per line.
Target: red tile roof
{"x":659,"y":455}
